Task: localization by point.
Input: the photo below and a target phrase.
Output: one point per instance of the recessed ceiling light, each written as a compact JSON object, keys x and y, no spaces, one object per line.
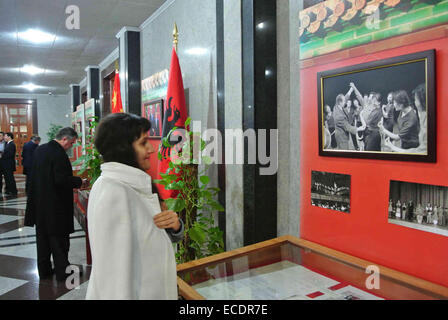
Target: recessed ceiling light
{"x":29,"y":86}
{"x":32,"y":70}
{"x":36,"y":36}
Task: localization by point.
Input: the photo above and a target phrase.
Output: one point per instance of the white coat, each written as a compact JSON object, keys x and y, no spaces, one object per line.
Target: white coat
{"x":131,"y":257}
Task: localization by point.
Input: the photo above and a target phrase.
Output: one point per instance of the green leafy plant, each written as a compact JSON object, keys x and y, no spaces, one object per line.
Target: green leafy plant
{"x":52,"y":131}
{"x":91,"y":159}
{"x":195,"y":201}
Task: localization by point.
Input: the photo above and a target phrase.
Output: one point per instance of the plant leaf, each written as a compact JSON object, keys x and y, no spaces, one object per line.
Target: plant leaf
{"x":176,"y":205}
{"x":197,"y":234}
{"x":204,"y":179}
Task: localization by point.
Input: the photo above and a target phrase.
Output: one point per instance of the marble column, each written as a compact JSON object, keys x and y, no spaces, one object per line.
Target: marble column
{"x":130,"y":76}
{"x":93,"y":86}
{"x":259,"y":40}
{"x":233,"y":120}
{"x":288,"y":86}
{"x":75,"y":96}
{"x":221,"y":110}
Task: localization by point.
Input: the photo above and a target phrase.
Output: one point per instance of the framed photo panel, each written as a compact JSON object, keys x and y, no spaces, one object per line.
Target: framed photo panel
{"x":385,"y":109}
{"x":418,"y":206}
{"x":331,"y":191}
{"x":153,"y":111}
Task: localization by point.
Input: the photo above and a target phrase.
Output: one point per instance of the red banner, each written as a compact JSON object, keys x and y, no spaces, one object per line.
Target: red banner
{"x":117,"y":107}
{"x":175,"y":115}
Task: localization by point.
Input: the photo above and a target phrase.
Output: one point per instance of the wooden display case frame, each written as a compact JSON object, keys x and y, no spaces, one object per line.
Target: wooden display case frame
{"x":400,"y":286}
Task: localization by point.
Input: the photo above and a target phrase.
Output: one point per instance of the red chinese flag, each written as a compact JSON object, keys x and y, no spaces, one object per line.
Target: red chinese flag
{"x":117,"y":107}
{"x":175,"y":115}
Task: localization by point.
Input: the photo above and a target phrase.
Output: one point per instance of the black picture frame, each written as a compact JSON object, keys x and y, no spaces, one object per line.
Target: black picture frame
{"x":156,"y":126}
{"x":384,"y":76}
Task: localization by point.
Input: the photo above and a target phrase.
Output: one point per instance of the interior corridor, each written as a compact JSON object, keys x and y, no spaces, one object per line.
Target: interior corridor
{"x":19,"y":279}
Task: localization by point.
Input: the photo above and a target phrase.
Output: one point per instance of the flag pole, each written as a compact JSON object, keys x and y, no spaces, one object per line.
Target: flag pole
{"x":175,"y":36}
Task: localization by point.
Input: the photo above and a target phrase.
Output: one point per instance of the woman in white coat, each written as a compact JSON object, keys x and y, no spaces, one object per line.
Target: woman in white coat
{"x":130,"y":236}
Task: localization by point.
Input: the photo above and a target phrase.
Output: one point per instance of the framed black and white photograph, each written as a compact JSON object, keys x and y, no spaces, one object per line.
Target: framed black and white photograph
{"x":330,"y":191}
{"x":384,"y":109}
{"x":419,"y":206}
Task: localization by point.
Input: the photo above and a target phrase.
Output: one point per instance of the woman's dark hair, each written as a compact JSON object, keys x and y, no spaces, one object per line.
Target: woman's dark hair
{"x":420,"y":91}
{"x":115,"y":134}
{"x":402,"y":98}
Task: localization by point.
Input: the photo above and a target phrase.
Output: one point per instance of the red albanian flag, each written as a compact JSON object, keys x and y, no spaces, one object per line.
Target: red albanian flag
{"x":117,"y":107}
{"x":175,"y":115}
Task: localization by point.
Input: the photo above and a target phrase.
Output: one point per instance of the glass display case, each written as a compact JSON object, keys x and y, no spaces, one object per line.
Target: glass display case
{"x":289,"y":268}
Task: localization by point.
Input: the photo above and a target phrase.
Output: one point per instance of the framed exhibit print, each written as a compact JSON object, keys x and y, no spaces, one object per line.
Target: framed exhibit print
{"x":330,"y":191}
{"x":418,"y":206}
{"x":385,"y":109}
{"x":289,"y":268}
{"x":153,"y":111}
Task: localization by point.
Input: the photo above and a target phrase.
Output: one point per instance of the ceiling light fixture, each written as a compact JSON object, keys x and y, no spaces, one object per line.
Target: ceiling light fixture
{"x":29,"y":86}
{"x":32,"y":70}
{"x":36,"y":36}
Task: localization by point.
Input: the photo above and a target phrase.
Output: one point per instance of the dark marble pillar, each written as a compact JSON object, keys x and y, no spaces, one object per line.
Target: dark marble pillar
{"x":75,"y":96}
{"x":130,"y":76}
{"x":259,"y":41}
{"x":93,"y":87}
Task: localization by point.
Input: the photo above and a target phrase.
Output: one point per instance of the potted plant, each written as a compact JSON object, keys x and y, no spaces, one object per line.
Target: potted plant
{"x":52,"y":131}
{"x":91,"y":160}
{"x":194,"y":201}
{"x":90,"y":163}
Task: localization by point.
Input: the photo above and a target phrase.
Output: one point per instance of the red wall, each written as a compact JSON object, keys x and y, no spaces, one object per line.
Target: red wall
{"x":365,"y":232}
{"x":154,"y":160}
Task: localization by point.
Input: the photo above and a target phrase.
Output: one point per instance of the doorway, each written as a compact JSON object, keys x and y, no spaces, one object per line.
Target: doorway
{"x":17,"y":118}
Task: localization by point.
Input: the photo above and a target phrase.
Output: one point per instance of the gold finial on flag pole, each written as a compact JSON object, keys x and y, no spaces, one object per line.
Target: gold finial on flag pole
{"x":175,"y":36}
{"x":116,"y":65}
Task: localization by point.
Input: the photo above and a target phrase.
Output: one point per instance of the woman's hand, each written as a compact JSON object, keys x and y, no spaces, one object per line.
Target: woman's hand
{"x":167,"y":219}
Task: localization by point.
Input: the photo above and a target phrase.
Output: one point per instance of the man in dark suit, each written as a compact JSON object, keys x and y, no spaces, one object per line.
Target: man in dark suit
{"x":50,"y":203}
{"x":8,"y":162}
{"x":2,"y":149}
{"x":27,"y":158}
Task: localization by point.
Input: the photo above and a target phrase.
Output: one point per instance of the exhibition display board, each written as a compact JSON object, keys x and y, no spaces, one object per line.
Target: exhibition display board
{"x":372,"y":109}
{"x":289,"y":268}
{"x":78,"y":124}
{"x":154,"y":90}
{"x":73,"y":151}
{"x":89,"y":113}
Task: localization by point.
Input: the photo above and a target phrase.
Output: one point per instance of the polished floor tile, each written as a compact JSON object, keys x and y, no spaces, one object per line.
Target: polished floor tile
{"x":19,"y":279}
{"x":8,"y":284}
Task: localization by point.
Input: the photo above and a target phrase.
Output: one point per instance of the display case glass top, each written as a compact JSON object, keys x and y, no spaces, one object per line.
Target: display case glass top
{"x":289,"y":268}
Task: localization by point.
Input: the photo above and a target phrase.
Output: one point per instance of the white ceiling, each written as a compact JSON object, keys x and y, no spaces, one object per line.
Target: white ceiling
{"x":65,"y":58}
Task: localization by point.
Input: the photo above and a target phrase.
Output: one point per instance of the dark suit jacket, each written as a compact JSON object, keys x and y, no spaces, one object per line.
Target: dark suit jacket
{"x":50,"y":200}
{"x":27,"y":156}
{"x":343,"y":127}
{"x":8,"y":160}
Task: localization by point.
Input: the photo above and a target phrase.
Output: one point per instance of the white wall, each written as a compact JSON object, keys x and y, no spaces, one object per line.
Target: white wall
{"x":50,"y":109}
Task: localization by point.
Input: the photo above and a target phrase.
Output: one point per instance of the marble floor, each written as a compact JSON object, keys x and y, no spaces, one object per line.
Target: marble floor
{"x":19,"y":279}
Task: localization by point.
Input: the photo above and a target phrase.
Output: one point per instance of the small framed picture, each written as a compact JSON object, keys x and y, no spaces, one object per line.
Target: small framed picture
{"x":331,"y":191}
{"x":153,"y":111}
{"x":385,"y":109}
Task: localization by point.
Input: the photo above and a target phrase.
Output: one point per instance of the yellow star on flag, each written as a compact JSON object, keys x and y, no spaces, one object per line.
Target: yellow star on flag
{"x":114,"y":100}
